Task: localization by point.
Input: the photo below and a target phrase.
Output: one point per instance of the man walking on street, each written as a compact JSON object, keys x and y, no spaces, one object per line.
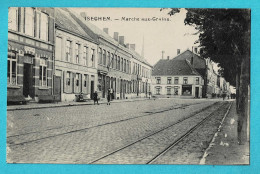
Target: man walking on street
{"x":108,"y":97}
{"x":95,"y":97}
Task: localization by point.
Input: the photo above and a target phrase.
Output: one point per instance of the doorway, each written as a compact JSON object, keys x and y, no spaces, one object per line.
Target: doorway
{"x":91,"y":89}
{"x":27,"y":80}
{"x":197,"y":92}
{"x":57,"y":87}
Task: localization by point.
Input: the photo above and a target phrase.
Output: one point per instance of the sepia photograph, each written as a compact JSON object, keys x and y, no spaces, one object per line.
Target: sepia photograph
{"x":128,"y":85}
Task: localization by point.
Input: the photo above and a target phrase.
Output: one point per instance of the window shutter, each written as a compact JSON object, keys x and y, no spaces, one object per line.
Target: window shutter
{"x":80,"y":83}
{"x":74,"y":82}
{"x":64,"y":81}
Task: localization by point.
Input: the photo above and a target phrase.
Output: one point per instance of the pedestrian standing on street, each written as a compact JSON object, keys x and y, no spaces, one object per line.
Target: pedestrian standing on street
{"x":150,"y":94}
{"x":111,"y":94}
{"x":108,"y":97}
{"x":95,"y":97}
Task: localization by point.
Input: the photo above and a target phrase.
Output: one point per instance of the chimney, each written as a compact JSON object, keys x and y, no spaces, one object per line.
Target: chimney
{"x":162,"y":54}
{"x":191,"y":60}
{"x":168,"y":57}
{"x":132,"y":46}
{"x":116,"y":36}
{"x":178,"y":51}
{"x":84,"y":15}
{"x":127,"y":45}
{"x":196,"y":50}
{"x":105,"y":30}
{"x":122,"y":40}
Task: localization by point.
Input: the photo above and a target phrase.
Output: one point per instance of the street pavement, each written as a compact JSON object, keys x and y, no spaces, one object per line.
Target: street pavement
{"x":83,"y":133}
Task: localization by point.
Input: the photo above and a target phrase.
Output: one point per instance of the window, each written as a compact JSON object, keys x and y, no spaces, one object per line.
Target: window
{"x":13,"y":18}
{"x":68,"y":50}
{"x":176,"y":90}
{"x":29,"y":21}
{"x":158,"y":80}
{"x":108,"y":59}
{"x":118,"y":63}
{"x":100,"y":56}
{"x":169,"y":80}
{"x":44,"y":27}
{"x":122,"y":64}
{"x":58,"y":48}
{"x":12,"y":69}
{"x":38,"y":25}
{"x":104,"y":57}
{"x":68,"y":78}
{"x":43,"y":72}
{"x":77,"y":53}
{"x":168,"y":91}
{"x":157,"y":91}
{"x":92,"y":60}
{"x":85,"y":80}
{"x":197,"y":80}
{"x":186,"y":90}
{"x":77,"y":79}
{"x":185,"y":80}
{"x":112,"y":60}
{"x":176,"y":80}
{"x":85,"y":55}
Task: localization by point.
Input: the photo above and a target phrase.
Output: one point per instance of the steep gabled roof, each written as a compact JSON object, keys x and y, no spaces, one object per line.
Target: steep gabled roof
{"x":198,"y":62}
{"x":173,"y":67}
{"x":64,"y":21}
{"x":95,"y":32}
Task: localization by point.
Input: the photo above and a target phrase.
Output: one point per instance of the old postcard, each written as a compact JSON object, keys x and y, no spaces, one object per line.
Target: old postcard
{"x":128,"y":85}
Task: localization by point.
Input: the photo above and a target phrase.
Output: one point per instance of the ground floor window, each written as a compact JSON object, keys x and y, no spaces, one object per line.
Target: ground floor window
{"x":157,"y":91}
{"x":43,"y":72}
{"x":12,"y":69}
{"x":176,"y":90}
{"x":168,"y":91}
{"x":186,"y":90}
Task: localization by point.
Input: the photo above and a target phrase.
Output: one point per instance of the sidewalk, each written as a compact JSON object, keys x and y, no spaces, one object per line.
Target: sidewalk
{"x":225,"y":149}
{"x":34,"y":105}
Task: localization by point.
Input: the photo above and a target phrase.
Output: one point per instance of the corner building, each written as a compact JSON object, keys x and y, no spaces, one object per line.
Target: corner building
{"x":30,"y":52}
{"x":176,"y":78}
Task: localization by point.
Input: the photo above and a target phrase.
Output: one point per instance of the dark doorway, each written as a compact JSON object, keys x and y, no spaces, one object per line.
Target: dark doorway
{"x":27,"y":80}
{"x":57,"y":87}
{"x":91,"y":89}
{"x":197,"y":92}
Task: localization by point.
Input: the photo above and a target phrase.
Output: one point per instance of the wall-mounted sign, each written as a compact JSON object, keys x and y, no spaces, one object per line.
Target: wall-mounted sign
{"x":29,"y":50}
{"x":28,"y":59}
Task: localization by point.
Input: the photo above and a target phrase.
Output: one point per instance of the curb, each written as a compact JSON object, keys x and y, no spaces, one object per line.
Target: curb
{"x":211,"y":144}
{"x":70,"y":105}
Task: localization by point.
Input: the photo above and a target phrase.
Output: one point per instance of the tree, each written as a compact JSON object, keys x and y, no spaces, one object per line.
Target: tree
{"x":224,"y":36}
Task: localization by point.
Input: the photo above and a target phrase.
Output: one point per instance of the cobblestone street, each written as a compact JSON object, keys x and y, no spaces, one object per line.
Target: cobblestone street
{"x":83,"y":134}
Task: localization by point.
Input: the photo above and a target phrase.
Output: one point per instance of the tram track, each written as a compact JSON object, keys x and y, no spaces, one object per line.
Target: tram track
{"x":97,"y":160}
{"x":143,"y":114}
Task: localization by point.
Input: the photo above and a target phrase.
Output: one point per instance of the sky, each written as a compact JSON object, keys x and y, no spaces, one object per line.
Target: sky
{"x":153,"y":36}
{"x":166,"y":35}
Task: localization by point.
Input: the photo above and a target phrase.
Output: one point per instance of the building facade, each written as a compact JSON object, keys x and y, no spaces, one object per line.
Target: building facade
{"x":176,"y":78}
{"x":30,"y":52}
{"x":119,"y":67}
{"x":75,"y":59}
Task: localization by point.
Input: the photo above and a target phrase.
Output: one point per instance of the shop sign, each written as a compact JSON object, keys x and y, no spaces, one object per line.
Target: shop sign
{"x":28,"y":60}
{"x":29,"y":49}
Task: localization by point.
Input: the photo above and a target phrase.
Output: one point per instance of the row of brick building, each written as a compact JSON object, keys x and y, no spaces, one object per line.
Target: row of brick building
{"x":54,"y":53}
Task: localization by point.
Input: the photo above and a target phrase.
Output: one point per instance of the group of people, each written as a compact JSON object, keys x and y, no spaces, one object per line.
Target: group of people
{"x":109,"y":96}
